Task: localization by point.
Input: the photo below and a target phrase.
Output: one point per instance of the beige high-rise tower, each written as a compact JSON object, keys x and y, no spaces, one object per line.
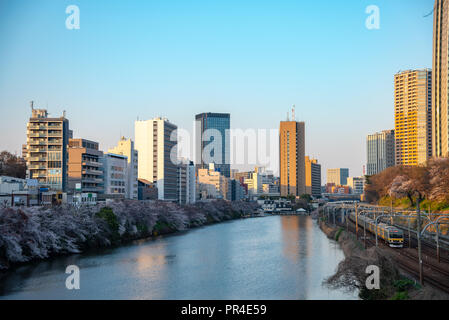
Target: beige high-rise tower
{"x":292,"y":158}
{"x":413,"y":116}
{"x":440,"y":56}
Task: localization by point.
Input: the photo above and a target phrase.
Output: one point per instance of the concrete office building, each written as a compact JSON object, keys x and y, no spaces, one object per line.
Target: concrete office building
{"x":85,"y":167}
{"x":207,"y":127}
{"x":125,"y":147}
{"x":186,"y":183}
{"x":413,"y":116}
{"x":237,"y":192}
{"x":47,"y":140}
{"x":212,"y":184}
{"x":338,"y":176}
{"x":357,"y":184}
{"x":380,"y":151}
{"x":156,"y":143}
{"x":147,"y":190}
{"x":114,"y":167}
{"x":313,"y":177}
{"x":292,"y":158}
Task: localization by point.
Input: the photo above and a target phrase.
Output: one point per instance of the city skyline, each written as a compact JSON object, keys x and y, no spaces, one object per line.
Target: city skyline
{"x":89,"y":83}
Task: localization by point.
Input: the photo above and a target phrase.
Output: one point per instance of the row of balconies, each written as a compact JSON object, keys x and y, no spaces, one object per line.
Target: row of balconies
{"x":92,"y":189}
{"x":92,"y":164}
{"x":37,"y":167}
{"x":38,"y":175}
{"x":37,"y":127}
{"x":38,"y":159}
{"x":91,"y":180}
{"x":33,"y":142}
{"x":92,"y":171}
{"x":54,"y":126}
{"x":55,"y":141}
{"x":37,"y":135}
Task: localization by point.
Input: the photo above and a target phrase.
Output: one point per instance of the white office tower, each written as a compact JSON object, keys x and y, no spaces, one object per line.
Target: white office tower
{"x":155,"y":141}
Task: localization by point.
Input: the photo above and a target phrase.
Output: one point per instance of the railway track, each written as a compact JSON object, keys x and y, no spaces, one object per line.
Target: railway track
{"x":427,"y":248}
{"x":434,"y":273}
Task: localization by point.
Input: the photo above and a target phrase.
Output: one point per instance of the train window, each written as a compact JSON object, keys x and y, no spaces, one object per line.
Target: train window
{"x":396,"y":236}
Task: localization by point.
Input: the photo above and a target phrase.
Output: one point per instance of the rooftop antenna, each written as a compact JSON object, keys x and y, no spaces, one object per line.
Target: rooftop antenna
{"x":293,"y":113}
{"x":32,"y":105}
{"x":63,"y":114}
{"x":288,"y":116}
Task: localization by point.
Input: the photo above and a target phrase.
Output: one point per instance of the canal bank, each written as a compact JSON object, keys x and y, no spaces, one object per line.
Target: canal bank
{"x":395,"y":284}
{"x":31,"y":234}
{"x":268,"y":258}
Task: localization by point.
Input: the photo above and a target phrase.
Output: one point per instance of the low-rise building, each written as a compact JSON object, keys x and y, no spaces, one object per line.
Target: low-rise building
{"x":125,"y":147}
{"x":85,"y":170}
{"x":357,"y":184}
{"x":212,"y":184}
{"x":333,"y":188}
{"x":10,"y":184}
{"x":147,"y":190}
{"x":115,"y":167}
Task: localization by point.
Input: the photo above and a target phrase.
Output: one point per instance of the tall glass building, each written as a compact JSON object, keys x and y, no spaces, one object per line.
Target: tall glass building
{"x":213,"y":128}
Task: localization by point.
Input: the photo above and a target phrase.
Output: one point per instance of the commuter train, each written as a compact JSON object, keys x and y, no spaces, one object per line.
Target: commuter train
{"x":393,"y":236}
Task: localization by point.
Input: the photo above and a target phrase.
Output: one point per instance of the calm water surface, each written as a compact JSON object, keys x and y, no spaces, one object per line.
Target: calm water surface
{"x":261,"y":258}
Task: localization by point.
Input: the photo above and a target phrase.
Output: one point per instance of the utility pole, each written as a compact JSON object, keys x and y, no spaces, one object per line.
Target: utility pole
{"x":356,"y":222}
{"x":438,"y":242}
{"x":418,"y":229}
{"x":347,"y":220}
{"x":409,"y":233}
{"x":334,"y":213}
{"x":364,"y":232}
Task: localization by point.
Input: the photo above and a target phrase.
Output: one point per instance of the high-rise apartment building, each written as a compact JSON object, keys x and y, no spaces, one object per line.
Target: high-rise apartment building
{"x":413,"y":116}
{"x":380,"y":152}
{"x":125,"y":147}
{"x":47,"y":140}
{"x":212,"y":130}
{"x":440,"y":79}
{"x":85,"y":168}
{"x":338,"y":176}
{"x":313,"y":177}
{"x":156,"y":142}
{"x":292,"y":158}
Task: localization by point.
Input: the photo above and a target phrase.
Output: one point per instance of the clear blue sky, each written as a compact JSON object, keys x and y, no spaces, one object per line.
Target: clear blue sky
{"x":254,"y":59}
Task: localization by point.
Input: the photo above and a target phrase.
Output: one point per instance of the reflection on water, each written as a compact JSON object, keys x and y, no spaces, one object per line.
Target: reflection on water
{"x":263,"y":258}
